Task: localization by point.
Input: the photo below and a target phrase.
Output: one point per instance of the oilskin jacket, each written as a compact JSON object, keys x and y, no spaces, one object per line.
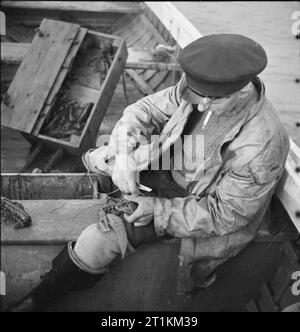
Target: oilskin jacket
{"x":244,"y":158}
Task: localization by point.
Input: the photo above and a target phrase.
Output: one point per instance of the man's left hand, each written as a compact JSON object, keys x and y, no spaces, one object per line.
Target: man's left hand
{"x":144,"y":213}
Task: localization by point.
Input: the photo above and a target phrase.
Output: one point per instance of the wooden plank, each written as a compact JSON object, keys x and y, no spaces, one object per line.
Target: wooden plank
{"x":80,"y":6}
{"x":53,"y":221}
{"x":181,"y":29}
{"x":59,"y":80}
{"x":14,"y":150}
{"x":133,"y":38}
{"x":143,"y":39}
{"x":288,"y":190}
{"x":104,"y":97}
{"x":83,"y":95}
{"x":75,"y":47}
{"x":153,"y":65}
{"x":37,"y":74}
{"x":141,"y":58}
{"x":153,"y":30}
{"x":125,"y":27}
{"x":13,"y":53}
{"x":138,"y":58}
{"x":47,"y":186}
{"x":27,"y":18}
{"x":141,"y":84}
{"x":40,"y":120}
{"x":159,"y":79}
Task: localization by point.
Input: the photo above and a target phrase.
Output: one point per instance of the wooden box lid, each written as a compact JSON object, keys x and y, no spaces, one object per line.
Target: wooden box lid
{"x":40,"y":74}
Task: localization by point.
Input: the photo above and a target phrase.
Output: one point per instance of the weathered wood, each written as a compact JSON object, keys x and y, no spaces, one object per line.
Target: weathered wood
{"x":47,"y":186}
{"x":39,"y":67}
{"x":143,"y":59}
{"x":107,"y":90}
{"x":13,"y":53}
{"x":152,"y":29}
{"x":42,"y":116}
{"x":59,"y":80}
{"x":141,"y":84}
{"x":181,"y":29}
{"x":74,"y":48}
{"x":100,"y":98}
{"x":289,"y":187}
{"x":32,"y":157}
{"x":53,"y":221}
{"x":85,"y":6}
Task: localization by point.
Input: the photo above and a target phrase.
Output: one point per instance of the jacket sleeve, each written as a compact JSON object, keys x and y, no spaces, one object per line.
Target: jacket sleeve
{"x":146,"y":117}
{"x":237,"y":200}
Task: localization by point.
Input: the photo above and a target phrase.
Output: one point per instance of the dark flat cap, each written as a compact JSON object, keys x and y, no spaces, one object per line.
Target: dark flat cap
{"x":221,"y":64}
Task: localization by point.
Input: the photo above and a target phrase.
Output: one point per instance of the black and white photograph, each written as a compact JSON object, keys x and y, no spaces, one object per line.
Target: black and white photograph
{"x":150,"y":159}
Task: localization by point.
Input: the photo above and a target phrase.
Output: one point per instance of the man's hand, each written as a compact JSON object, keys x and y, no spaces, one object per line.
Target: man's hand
{"x":125,"y":174}
{"x":144,"y":213}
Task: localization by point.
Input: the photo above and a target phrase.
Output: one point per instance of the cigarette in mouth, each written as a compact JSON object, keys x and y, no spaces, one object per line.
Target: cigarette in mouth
{"x":206,"y":119}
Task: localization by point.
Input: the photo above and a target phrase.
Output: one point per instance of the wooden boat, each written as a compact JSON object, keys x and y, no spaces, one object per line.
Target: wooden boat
{"x":64,"y":201}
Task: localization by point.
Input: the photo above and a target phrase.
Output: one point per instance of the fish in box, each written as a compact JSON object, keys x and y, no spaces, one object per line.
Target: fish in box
{"x":64,"y":85}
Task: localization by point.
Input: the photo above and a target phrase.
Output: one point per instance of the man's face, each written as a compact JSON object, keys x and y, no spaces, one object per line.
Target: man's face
{"x":196,"y":98}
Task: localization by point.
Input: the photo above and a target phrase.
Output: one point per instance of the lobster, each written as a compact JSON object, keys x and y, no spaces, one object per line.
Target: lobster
{"x":14,"y":213}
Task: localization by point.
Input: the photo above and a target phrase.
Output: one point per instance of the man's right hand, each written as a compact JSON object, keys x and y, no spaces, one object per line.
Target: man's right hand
{"x":125,"y":174}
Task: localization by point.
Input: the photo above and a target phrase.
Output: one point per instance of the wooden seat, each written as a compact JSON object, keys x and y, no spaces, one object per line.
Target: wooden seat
{"x":13,"y":53}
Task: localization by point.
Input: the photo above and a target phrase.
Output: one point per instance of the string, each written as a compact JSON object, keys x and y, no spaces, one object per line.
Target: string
{"x":110,"y":193}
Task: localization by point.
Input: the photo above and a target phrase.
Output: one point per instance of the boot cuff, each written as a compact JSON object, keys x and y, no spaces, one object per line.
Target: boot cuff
{"x":80,"y":264}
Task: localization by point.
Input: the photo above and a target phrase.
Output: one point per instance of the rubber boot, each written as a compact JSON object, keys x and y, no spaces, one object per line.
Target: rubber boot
{"x":65,"y":276}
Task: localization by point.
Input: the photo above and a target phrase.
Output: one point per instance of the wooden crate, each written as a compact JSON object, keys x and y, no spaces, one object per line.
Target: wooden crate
{"x":43,"y":73}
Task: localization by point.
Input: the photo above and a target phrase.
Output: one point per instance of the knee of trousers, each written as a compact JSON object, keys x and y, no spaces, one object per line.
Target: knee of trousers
{"x":96,"y":249}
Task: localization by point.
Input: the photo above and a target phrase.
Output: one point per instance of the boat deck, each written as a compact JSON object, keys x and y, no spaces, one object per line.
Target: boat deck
{"x":140,"y":35}
{"x":251,"y":269}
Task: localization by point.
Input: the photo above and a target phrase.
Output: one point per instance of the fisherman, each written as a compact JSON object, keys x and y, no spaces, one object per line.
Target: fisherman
{"x":216,"y":206}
